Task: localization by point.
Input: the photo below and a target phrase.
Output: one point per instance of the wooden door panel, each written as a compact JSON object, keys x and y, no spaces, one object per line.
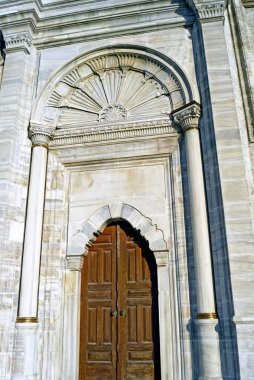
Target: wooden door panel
{"x":136,"y":286}
{"x":98,"y":299}
{"x":119,"y":274}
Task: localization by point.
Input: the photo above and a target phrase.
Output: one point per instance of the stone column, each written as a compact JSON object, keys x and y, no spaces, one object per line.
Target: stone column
{"x":33,"y":231}
{"x":26,"y":322}
{"x":188,"y":118}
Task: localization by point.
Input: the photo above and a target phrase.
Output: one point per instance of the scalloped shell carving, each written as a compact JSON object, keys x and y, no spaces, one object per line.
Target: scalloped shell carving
{"x":114,"y":88}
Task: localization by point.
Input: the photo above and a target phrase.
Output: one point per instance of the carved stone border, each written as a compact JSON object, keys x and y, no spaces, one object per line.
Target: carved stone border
{"x":80,"y":242}
{"x":112,"y":132}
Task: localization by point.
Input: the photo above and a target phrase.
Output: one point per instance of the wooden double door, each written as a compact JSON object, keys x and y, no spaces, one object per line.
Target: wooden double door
{"x":119,"y":331}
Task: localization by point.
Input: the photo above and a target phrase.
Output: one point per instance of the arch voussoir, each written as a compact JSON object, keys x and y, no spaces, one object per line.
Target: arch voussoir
{"x":82,"y":239}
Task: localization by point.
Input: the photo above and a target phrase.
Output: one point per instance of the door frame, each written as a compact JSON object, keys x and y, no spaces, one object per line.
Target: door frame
{"x":167,"y":295}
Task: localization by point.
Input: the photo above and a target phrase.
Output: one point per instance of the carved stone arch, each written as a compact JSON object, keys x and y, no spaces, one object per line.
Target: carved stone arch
{"x":80,"y":242}
{"x":92,"y":89}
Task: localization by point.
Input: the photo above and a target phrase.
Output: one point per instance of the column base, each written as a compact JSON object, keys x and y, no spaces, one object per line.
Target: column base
{"x":26,"y":345}
{"x":210,"y":362}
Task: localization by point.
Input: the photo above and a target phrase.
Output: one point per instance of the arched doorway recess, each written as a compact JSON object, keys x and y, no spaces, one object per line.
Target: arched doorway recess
{"x":78,"y":248}
{"x":119,"y":327}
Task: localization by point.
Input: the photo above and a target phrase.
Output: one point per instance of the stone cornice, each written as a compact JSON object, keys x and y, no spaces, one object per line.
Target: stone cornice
{"x":187,"y":116}
{"x":53,"y":26}
{"x":40,"y":135}
{"x":117,"y":131}
{"x":18,"y":42}
{"x":248,"y":3}
{"x":211,"y":11}
{"x":108,"y":132}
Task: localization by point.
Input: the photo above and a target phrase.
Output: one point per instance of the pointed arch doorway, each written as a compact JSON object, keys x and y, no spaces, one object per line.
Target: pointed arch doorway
{"x":119,"y":328}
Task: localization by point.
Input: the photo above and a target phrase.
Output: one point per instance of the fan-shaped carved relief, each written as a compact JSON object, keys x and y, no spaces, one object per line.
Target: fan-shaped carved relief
{"x":114,"y":88}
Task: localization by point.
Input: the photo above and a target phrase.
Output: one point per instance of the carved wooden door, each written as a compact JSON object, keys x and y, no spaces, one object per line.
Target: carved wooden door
{"x":119,"y":336}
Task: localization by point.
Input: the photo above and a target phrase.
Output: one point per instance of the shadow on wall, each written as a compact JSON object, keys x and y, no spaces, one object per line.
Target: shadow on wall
{"x":218,"y":239}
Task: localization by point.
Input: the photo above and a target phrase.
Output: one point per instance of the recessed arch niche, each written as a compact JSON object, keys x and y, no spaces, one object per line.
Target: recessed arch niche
{"x":98,"y":90}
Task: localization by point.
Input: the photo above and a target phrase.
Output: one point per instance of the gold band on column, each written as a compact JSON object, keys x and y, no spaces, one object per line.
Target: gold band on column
{"x":26,"y":320}
{"x":40,"y":144}
{"x":207,"y":316}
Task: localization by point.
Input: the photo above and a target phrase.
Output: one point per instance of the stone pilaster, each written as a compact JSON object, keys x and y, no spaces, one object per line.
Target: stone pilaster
{"x":162,"y":261}
{"x":17,"y":87}
{"x":229,"y":199}
{"x":74,"y":266}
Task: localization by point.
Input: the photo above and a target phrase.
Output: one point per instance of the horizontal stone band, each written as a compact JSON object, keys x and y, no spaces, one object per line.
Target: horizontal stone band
{"x":26,"y":320}
{"x":207,"y":316}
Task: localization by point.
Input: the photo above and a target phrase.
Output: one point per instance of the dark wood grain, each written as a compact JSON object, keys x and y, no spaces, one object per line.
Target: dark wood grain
{"x":119,"y":273}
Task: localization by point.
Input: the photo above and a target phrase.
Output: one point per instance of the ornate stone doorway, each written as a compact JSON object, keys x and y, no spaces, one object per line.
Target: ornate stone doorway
{"x":119,"y":327}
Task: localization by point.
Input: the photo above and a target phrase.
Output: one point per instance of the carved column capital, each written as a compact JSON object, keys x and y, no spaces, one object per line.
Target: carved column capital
{"x":75,"y":263}
{"x":187,"y":116}
{"x":212,"y":10}
{"x":40,"y":135}
{"x":18,"y":42}
{"x":161,"y":258}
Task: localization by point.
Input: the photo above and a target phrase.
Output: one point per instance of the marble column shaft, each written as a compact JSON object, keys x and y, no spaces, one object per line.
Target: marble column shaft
{"x":33,"y":231}
{"x":188,"y":118}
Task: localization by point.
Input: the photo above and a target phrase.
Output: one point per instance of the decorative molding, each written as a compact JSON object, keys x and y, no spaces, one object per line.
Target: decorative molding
{"x":40,"y":135}
{"x":18,"y":42}
{"x":80,"y":242}
{"x":212,"y":10}
{"x":187,"y":117}
{"x":248,"y":3}
{"x":107,"y":132}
